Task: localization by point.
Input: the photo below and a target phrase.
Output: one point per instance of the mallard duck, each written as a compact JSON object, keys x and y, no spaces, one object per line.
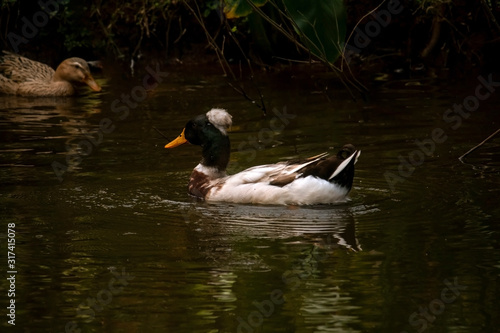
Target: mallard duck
{"x":22,"y":76}
{"x":317,"y":180}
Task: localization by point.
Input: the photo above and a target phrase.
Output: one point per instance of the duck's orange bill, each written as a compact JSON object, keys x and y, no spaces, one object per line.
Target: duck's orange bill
{"x":89,"y":80}
{"x":181,"y":139}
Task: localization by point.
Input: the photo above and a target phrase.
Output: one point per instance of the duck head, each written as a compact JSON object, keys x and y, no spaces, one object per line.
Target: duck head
{"x":210,"y":132}
{"x":76,"y":70}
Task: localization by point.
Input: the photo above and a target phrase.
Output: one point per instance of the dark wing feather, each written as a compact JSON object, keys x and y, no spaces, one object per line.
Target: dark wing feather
{"x":326,"y":168}
{"x":294,"y":170}
{"x":320,"y":166}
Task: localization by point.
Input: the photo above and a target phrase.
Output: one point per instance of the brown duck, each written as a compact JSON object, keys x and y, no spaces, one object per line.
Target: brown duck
{"x":25,"y":77}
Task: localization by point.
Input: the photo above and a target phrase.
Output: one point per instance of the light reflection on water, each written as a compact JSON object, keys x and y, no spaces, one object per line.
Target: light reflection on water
{"x":362,"y":265}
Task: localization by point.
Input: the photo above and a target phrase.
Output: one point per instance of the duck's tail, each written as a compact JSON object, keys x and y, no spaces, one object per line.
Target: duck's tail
{"x":344,"y":174}
{"x":338,"y":169}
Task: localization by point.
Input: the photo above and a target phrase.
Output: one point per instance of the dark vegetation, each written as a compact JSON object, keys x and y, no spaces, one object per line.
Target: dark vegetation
{"x":418,"y":38}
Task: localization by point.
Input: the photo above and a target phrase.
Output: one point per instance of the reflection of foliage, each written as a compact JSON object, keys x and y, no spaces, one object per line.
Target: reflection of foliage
{"x":286,"y":29}
{"x":441,"y":32}
{"x":6,"y":4}
{"x":76,"y":35}
{"x":319,"y":25}
{"x":122,"y":28}
{"x":239,"y":8}
{"x":433,"y":34}
{"x":458,"y":31}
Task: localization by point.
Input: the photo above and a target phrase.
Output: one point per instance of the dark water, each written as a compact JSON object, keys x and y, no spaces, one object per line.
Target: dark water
{"x":109,"y":241}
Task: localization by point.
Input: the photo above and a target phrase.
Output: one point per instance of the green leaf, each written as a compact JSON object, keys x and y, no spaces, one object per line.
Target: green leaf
{"x":239,"y":8}
{"x":321,"y":25}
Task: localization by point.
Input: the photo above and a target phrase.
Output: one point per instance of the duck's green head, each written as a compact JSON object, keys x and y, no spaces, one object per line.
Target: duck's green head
{"x":210,"y":132}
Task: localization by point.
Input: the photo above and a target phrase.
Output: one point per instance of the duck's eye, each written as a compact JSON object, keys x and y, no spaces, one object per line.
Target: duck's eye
{"x":77,"y":65}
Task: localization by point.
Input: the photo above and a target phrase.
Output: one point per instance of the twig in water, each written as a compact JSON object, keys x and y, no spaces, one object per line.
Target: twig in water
{"x":479,"y":145}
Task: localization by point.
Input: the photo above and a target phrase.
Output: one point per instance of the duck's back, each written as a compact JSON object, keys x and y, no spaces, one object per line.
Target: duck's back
{"x":283,"y":183}
{"x":16,"y":71}
{"x":20,"y":69}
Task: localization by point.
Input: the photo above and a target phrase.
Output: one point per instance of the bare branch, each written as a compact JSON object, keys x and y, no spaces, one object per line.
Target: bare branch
{"x":479,"y":145}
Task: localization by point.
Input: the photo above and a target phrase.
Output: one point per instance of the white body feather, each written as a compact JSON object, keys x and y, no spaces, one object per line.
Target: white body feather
{"x":253,"y":186}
